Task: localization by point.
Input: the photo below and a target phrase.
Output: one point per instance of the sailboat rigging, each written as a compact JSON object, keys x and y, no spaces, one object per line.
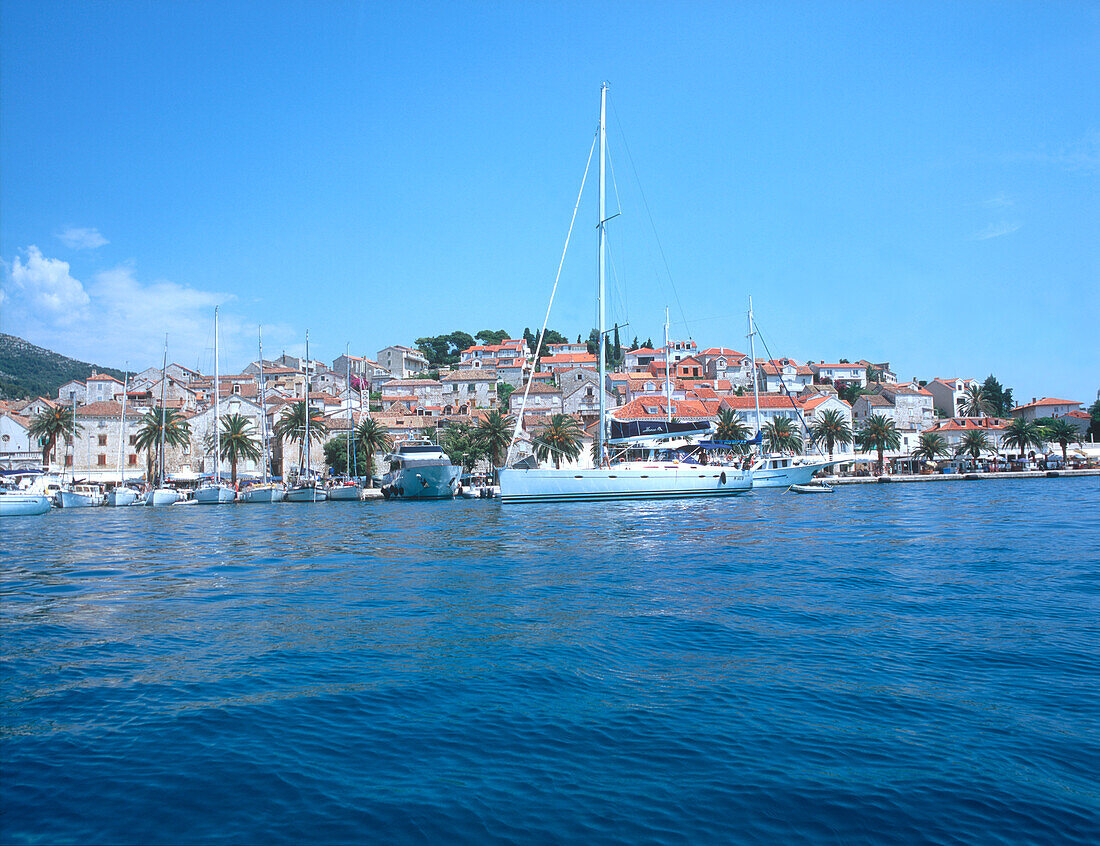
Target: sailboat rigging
{"x":656,"y":477}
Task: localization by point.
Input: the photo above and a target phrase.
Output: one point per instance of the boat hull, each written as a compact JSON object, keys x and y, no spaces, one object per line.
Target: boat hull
{"x":22,"y":505}
{"x":784,"y":477}
{"x":546,"y":485}
{"x":436,"y":481}
{"x":121,"y":496}
{"x":309,"y":494}
{"x":162,"y":496}
{"x":72,"y":499}
{"x":262,"y":493}
{"x":345,"y":493}
{"x":215,"y":495}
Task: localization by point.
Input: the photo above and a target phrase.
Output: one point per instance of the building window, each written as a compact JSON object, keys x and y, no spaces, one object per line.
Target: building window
{"x":68,"y":461}
{"x":132,"y":459}
{"x":133,"y":439}
{"x":103,"y":440}
{"x":101,"y":460}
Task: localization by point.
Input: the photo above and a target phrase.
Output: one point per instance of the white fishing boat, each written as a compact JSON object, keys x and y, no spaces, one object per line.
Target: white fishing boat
{"x":160,"y":495}
{"x":420,"y":469}
{"x":22,"y":504}
{"x":613,"y":479}
{"x":265,"y":490}
{"x":345,"y":492}
{"x":81,"y":495}
{"x":215,"y":492}
{"x":307,"y":488}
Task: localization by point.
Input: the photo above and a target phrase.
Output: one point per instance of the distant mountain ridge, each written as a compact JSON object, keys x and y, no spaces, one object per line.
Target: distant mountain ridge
{"x":28,"y":371}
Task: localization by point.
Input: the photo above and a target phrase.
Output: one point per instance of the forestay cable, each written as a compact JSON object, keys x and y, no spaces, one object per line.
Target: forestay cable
{"x":549,"y":305}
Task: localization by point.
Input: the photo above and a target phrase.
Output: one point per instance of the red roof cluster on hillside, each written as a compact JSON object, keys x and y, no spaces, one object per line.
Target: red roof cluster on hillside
{"x":1045,"y":401}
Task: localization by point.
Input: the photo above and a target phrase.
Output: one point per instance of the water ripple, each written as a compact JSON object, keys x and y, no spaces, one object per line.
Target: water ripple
{"x":893,"y":664}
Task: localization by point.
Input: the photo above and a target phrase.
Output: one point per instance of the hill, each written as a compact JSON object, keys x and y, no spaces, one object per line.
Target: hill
{"x":30,"y":371}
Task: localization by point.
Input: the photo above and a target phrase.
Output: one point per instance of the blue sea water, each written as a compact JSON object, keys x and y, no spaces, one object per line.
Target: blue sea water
{"x":889,"y":664}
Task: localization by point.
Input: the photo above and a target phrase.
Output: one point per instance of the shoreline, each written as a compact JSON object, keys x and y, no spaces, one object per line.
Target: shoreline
{"x":958,"y":477}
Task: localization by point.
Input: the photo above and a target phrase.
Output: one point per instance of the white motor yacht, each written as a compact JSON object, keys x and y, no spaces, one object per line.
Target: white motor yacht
{"x":121,"y":495}
{"x":420,"y":469}
{"x":262,"y":493}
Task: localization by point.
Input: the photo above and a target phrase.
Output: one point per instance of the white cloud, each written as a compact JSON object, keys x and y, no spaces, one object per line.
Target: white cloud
{"x":121,"y":318}
{"x":47,"y":285}
{"x":82,"y":238}
{"x":996,"y":230}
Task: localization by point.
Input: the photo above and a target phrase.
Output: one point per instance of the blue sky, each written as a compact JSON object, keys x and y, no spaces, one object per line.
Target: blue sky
{"x":918,"y":183}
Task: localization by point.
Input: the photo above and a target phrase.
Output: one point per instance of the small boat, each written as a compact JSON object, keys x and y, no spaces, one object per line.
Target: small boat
{"x":80,"y":496}
{"x":121,"y":496}
{"x":262,"y":493}
{"x":349,"y":492}
{"x":22,"y":504}
{"x":162,"y":496}
{"x":811,"y":489}
{"x":307,"y":490}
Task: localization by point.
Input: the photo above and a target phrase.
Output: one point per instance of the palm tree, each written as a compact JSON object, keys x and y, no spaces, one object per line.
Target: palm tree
{"x":177,"y":432}
{"x":732,"y":427}
{"x":50,"y":424}
{"x":975,"y":402}
{"x":1063,"y":433}
{"x":781,"y":436}
{"x":974,"y":443}
{"x":291,"y":426}
{"x":460,"y":442}
{"x":495,"y":433}
{"x":238,"y":443}
{"x":932,"y":446}
{"x":560,"y":438}
{"x":878,"y":434}
{"x":831,"y":428}
{"x":1021,"y":434}
{"x":373,"y":437}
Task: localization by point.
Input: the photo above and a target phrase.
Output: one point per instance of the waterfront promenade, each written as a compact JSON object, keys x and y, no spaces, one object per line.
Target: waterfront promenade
{"x":958,"y":477}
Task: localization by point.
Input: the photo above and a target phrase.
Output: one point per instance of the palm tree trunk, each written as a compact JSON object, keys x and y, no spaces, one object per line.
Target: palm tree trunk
{"x":881,"y":468}
{"x":233,"y":469}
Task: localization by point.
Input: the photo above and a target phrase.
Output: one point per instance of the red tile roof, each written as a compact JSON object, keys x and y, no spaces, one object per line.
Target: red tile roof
{"x":1044,"y":402}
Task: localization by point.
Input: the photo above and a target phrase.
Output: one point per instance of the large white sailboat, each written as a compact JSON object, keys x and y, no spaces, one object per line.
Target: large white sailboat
{"x":265,"y":491}
{"x":654,"y":478}
{"x":216,"y":492}
{"x":307,"y":488}
{"x":160,"y":494}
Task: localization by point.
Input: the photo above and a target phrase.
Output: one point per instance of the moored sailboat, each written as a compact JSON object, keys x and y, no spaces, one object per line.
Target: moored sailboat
{"x":160,"y":494}
{"x":620,"y":479}
{"x":307,"y":488}
{"x":215,"y":492}
{"x":265,"y":491}
{"x":120,"y":494}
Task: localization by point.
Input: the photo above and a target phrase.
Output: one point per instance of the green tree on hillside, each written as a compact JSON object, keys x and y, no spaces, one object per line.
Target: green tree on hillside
{"x":492,"y":337}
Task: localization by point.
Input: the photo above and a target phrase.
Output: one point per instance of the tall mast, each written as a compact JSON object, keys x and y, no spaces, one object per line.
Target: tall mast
{"x":122,"y":426}
{"x":72,"y":467}
{"x":163,"y":410}
{"x":600,"y":289}
{"x":752,"y":352}
{"x":349,"y":456}
{"x":307,"y":407}
{"x":217,"y":432}
{"x":668,"y":371}
{"x":263,"y":401}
